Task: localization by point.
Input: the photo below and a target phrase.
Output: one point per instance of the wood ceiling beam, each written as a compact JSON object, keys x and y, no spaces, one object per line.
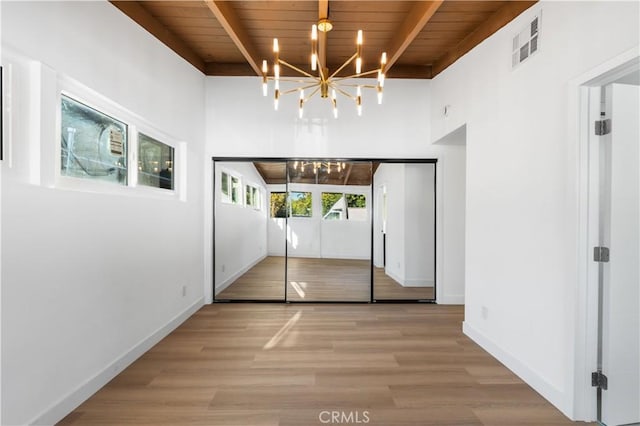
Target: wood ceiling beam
{"x":497,"y":20}
{"x":228,"y":18}
{"x":244,"y":69}
{"x":140,"y":15}
{"x":416,"y":19}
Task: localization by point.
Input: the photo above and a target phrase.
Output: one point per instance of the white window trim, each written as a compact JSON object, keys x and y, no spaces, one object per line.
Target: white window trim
{"x":228,"y":199}
{"x":71,"y":88}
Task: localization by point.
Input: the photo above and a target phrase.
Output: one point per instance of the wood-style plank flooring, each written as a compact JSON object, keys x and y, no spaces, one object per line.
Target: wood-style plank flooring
{"x":313,"y":279}
{"x":285,"y":364}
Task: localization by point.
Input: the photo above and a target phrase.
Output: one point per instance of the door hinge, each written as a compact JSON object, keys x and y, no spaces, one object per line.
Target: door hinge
{"x":599,"y":380}
{"x":603,"y":127}
{"x":601,"y":254}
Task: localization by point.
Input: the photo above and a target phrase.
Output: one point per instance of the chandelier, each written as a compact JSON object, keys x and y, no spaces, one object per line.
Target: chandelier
{"x":328,"y":85}
{"x":318,"y":166}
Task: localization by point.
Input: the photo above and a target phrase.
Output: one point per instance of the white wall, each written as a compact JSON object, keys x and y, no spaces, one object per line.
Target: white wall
{"x":241,"y":231}
{"x":90,"y":279}
{"x":419,"y":220}
{"x":450,"y":212}
{"x":399,"y":128}
{"x":392,"y":177}
{"x":521,"y":269}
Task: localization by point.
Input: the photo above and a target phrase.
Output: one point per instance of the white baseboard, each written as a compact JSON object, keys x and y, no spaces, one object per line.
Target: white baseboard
{"x":71,"y":401}
{"x":394,"y":277}
{"x":409,"y":282}
{"x":412,"y":282}
{"x":457,"y":299}
{"x":226,"y":283}
{"x":551,"y":393}
{"x":339,"y":256}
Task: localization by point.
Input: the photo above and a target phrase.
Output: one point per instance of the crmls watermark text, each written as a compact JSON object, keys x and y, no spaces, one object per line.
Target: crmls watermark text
{"x":343,"y":417}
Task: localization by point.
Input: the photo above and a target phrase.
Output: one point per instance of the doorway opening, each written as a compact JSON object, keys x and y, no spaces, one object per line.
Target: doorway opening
{"x":610,"y":245}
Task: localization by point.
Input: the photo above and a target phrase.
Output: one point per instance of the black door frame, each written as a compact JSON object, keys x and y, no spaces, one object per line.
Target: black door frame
{"x":286,"y":160}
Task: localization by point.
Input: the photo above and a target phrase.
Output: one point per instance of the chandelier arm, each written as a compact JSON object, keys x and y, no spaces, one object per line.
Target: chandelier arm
{"x":344,"y":93}
{"x":312,"y":93}
{"x":357,"y":75}
{"x":364,"y":86}
{"x":293,"y":80}
{"x":286,"y":64}
{"x":347,"y":62}
{"x":297,"y":89}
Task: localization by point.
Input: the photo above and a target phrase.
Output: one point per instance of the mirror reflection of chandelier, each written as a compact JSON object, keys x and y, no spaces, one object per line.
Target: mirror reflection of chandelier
{"x":318,"y":166}
{"x":328,"y":85}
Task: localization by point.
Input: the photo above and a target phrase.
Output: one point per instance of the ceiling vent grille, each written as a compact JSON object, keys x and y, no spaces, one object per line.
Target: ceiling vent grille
{"x":526,"y":43}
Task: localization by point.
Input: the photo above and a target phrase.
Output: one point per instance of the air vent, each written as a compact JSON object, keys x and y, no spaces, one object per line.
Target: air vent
{"x":526,"y":42}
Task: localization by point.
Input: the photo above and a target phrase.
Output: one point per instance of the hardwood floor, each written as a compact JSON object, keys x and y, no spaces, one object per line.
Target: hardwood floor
{"x":279,"y":364}
{"x":312,"y":279}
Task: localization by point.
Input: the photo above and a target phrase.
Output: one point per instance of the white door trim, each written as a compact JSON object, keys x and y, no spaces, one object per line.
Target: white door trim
{"x":584,"y":98}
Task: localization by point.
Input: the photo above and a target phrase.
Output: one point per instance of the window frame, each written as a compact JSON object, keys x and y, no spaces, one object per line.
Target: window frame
{"x":290,"y":204}
{"x":254,"y":194}
{"x":346,"y":204}
{"x":286,"y":205}
{"x":52,"y":171}
{"x":239,"y":191}
{"x":165,"y":140}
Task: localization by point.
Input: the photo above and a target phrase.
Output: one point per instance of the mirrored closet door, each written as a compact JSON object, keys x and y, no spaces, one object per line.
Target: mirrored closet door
{"x":329,"y":242}
{"x":311,"y":230}
{"x":249,"y":230}
{"x":404,"y":231}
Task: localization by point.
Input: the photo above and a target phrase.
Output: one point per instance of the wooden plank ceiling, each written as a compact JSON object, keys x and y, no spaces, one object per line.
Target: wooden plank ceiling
{"x":224,"y":37}
{"x":350,"y":173}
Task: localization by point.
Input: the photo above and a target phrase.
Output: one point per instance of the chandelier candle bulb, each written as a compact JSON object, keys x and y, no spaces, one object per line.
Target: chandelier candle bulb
{"x":276,"y":48}
{"x":314,"y":47}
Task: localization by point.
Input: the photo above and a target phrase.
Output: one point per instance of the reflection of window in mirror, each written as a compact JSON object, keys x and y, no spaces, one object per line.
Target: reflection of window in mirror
{"x":341,"y":206}
{"x":230,"y":188}
{"x":235,"y":190}
{"x":278,"y":204}
{"x":224,"y":187}
{"x":155,"y":163}
{"x":252,"y":197}
{"x":93,"y":144}
{"x":300,"y":204}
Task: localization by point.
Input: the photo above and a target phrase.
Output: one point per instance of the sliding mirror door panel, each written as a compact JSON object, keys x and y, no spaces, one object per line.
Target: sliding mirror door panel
{"x":249,"y":226}
{"x":404,"y":231}
{"x":329,"y":233}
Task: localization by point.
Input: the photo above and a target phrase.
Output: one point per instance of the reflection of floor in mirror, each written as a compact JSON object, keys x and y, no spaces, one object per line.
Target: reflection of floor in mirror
{"x":386,"y":287}
{"x":318,"y":280}
{"x":262,"y":282}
